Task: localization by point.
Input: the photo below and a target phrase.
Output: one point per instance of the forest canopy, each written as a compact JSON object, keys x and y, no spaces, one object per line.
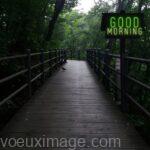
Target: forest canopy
{"x":77,"y":30}
{"x":28,"y":23}
{"x":49,"y":24}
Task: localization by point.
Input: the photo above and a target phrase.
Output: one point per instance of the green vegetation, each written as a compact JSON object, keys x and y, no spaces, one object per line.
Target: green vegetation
{"x":28,"y":23}
{"x":49,"y":24}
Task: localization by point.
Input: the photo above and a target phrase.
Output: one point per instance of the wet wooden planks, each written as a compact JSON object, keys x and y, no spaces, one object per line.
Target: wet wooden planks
{"x":72,"y":104}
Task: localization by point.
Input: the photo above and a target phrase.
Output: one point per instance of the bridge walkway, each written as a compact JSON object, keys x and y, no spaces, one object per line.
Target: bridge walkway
{"x":73,"y":104}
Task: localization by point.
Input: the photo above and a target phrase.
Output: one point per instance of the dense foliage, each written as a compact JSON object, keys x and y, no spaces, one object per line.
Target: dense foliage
{"x":48,"y":24}
{"x":28,"y":23}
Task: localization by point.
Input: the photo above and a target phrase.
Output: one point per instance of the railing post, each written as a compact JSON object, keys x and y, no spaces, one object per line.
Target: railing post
{"x":29,"y":72}
{"x":62,"y":56}
{"x":56,"y":55}
{"x":123,"y":73}
{"x":65,"y":56}
{"x":94,"y":60}
{"x":42,"y":65}
{"x":91,"y":57}
{"x":87,"y":56}
{"x":59,"y":57}
{"x":117,"y":93}
{"x":99,"y":62}
{"x":50,"y":64}
{"x":56,"y":59}
{"x":106,"y":69}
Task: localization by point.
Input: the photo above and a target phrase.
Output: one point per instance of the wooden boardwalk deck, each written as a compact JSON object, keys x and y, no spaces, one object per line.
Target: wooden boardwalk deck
{"x":72,"y":104}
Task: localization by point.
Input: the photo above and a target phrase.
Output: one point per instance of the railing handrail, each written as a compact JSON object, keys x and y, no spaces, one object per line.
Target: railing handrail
{"x":55,"y":59}
{"x":132,"y":58}
{"x":13,"y":57}
{"x":96,"y":58}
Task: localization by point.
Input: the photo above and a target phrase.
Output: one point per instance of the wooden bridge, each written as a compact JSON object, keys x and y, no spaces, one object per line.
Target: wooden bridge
{"x":71,"y":104}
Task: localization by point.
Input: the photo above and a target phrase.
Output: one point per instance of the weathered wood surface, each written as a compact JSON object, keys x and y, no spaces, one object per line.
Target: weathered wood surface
{"x":73,"y":104}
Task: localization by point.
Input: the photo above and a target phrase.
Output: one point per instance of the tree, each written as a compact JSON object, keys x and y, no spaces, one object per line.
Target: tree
{"x":26,"y":24}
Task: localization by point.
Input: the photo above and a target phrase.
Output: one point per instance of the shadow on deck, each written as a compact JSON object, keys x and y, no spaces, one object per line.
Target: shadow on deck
{"x":72,"y":104}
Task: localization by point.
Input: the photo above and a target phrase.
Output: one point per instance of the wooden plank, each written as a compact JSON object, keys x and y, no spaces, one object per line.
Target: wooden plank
{"x":73,"y":104}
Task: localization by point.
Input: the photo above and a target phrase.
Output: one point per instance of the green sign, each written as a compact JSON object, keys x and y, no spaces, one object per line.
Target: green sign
{"x":118,"y":25}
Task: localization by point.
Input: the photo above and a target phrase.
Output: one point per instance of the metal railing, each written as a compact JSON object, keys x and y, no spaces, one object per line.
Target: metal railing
{"x":105,"y":65}
{"x":47,"y":62}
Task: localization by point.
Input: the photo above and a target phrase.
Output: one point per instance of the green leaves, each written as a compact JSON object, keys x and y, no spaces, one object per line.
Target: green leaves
{"x":24,"y":23}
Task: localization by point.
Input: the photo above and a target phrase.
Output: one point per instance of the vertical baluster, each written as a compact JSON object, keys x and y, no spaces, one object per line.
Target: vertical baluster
{"x":55,"y":55}
{"x":50,"y":62}
{"x":99,"y":63}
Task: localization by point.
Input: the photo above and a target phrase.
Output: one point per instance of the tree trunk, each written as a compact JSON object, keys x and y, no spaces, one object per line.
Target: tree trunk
{"x":58,"y":8}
